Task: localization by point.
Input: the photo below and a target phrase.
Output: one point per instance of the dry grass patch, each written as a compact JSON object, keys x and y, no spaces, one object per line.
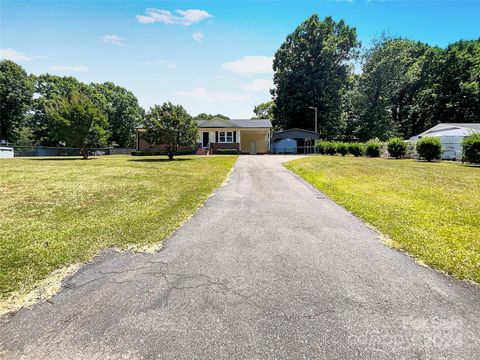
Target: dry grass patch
{"x":61,"y":211}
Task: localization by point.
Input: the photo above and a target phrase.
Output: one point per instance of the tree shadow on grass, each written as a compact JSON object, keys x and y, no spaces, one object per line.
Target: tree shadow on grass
{"x":160,"y":160}
{"x":61,"y":159}
{"x":471,"y":165}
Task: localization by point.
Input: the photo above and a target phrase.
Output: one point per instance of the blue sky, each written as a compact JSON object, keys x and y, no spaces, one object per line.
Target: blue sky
{"x":210,"y":56}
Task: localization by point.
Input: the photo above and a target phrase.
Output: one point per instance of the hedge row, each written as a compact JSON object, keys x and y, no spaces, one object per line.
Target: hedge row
{"x":226,"y":152}
{"x":428,"y":148}
{"x":371,"y":148}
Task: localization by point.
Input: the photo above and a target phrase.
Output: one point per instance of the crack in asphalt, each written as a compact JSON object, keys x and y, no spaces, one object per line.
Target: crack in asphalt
{"x":268,"y":268}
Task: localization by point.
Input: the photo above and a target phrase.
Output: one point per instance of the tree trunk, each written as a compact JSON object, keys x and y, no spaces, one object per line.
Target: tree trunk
{"x":170,"y":155}
{"x":84,"y":152}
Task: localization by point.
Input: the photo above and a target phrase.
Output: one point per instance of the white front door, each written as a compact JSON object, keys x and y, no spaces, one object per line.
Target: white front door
{"x":253,"y":148}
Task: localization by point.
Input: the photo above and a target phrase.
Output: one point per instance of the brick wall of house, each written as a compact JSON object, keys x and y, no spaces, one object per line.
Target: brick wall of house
{"x":215,"y":146}
{"x":146,"y":146}
{"x":143,"y":145}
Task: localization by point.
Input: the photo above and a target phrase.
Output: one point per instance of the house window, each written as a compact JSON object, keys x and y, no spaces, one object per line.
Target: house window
{"x":225,"y":137}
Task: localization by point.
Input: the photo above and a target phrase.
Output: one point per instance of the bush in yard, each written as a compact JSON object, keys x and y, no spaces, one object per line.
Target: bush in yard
{"x":170,"y":126}
{"x":320,"y":146}
{"x":78,"y":122}
{"x":471,"y":148}
{"x":330,"y":148}
{"x":342,"y":148}
{"x":372,"y":148}
{"x":429,"y":148}
{"x":396,"y":147}
{"x":226,"y":151}
{"x":356,"y":149}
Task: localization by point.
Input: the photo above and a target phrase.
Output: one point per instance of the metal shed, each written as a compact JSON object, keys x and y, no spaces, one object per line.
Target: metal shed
{"x":451,"y":136}
{"x":304,"y":141}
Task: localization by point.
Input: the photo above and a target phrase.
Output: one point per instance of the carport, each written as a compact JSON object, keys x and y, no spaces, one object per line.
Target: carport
{"x":294,"y":141}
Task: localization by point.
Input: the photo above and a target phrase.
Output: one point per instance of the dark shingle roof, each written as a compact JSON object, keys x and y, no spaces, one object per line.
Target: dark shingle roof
{"x":239,"y":123}
{"x":252,"y":123}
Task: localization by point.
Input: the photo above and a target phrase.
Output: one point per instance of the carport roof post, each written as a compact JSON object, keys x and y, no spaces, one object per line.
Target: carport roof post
{"x":316,"y":117}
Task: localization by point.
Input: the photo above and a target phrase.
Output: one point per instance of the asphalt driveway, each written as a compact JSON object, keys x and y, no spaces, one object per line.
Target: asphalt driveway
{"x":269,"y":268}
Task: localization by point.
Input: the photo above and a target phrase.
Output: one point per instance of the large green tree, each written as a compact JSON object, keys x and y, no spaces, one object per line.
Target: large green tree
{"x":349,"y":111}
{"x":170,"y":126}
{"x":311,"y":69}
{"x":16,"y":90}
{"x":123,"y":112}
{"x":396,"y":94}
{"x":459,"y":84}
{"x":78,"y":122}
{"x":264,"y":110}
{"x":50,"y":89}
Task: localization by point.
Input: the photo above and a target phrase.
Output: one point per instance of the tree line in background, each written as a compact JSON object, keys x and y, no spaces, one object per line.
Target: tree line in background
{"x":51,"y":110}
{"x":403,"y":87}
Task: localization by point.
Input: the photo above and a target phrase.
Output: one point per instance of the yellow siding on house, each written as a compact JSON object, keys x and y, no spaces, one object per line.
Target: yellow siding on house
{"x":259,"y":138}
{"x":211,"y":132}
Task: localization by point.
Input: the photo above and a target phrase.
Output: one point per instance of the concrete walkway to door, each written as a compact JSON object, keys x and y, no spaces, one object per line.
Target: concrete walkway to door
{"x":268,"y":268}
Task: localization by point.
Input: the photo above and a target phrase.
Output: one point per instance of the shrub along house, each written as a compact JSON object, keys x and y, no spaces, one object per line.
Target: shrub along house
{"x":243,"y":135}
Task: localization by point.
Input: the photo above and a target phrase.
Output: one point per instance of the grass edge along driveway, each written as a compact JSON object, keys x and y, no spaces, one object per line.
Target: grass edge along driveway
{"x":61,"y":211}
{"x":430,"y":210}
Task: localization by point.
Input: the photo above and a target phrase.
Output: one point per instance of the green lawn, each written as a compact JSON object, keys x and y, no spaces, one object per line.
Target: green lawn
{"x":430,"y":210}
{"x":55,"y":212}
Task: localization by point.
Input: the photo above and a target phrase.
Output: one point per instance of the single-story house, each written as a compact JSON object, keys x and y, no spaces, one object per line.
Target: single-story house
{"x":294,"y":141}
{"x":451,"y":136}
{"x":244,"y":135}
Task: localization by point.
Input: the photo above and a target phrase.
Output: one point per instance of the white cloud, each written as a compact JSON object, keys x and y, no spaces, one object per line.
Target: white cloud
{"x":257,"y":85}
{"x":249,"y":65}
{"x":67,"y":68}
{"x":207,"y":96}
{"x":10,"y":54}
{"x":161,"y":62}
{"x":113,"y":39}
{"x":186,"y":17}
{"x":198,"y":36}
{"x":193,"y":16}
